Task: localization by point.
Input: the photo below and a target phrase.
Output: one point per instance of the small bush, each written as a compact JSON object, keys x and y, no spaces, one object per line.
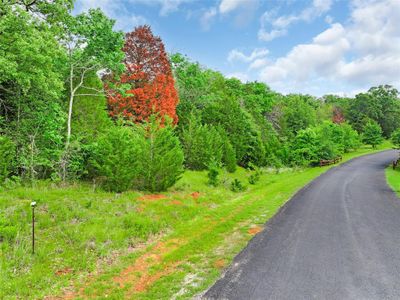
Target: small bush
{"x":237,"y":186}
{"x":254,"y":178}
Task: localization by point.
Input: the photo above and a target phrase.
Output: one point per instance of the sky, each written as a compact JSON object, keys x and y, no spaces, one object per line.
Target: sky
{"x":313,"y":47}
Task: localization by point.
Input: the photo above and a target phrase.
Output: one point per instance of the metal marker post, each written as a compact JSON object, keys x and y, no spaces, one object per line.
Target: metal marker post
{"x":33,"y":205}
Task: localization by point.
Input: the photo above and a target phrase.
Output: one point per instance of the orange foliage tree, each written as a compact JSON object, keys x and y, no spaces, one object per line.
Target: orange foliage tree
{"x":337,"y":116}
{"x":149,"y":76}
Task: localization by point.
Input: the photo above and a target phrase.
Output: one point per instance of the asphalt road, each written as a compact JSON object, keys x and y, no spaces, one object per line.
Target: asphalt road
{"x":338,"y":238}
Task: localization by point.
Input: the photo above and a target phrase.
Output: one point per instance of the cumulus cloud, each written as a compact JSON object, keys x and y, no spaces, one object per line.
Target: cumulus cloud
{"x":273,"y":26}
{"x":243,"y":77}
{"x":258,"y":63}
{"x":227,"y":6}
{"x":236,"y":55}
{"x":242,"y":10}
{"x":362,"y":53}
{"x":353,"y":56}
{"x":114,"y":9}
{"x":322,"y":56}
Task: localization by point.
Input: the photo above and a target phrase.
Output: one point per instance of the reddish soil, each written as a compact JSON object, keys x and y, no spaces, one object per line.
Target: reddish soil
{"x":152,"y":197}
{"x":220,"y":263}
{"x":139,"y":276}
{"x":176,"y":202}
{"x":254,"y":230}
{"x":195,"y":195}
{"x":64,"y":271}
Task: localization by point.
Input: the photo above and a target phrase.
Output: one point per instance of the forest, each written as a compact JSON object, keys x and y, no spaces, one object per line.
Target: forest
{"x":80,"y":101}
{"x":83,"y":104}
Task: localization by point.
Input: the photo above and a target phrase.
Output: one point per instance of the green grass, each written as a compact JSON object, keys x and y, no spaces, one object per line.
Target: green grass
{"x":175,"y":246}
{"x":393,"y":179}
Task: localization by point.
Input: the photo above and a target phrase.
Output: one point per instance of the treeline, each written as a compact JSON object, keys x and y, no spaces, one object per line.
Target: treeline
{"x":266,"y":128}
{"x":80,"y":101}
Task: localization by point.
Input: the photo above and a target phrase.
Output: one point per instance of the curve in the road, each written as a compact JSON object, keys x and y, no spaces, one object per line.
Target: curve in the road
{"x":338,"y":238}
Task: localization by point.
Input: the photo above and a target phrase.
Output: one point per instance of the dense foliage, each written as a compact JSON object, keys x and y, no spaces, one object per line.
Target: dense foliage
{"x":144,"y":157}
{"x":78,"y":101}
{"x":372,"y":134}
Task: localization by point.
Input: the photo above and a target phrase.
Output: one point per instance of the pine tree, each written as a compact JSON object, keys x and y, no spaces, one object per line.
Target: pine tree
{"x":201,"y":144}
{"x":160,"y":156}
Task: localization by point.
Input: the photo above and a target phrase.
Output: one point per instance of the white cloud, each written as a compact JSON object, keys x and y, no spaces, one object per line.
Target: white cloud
{"x":236,"y":55}
{"x":273,"y":27}
{"x":207,"y":17}
{"x":243,"y":77}
{"x":166,"y":6}
{"x":258,"y":63}
{"x":266,"y":36}
{"x":305,"y":60}
{"x":353,"y":56}
{"x":114,"y":9}
{"x":242,"y":10}
{"x":257,"y":59}
{"x":227,"y":6}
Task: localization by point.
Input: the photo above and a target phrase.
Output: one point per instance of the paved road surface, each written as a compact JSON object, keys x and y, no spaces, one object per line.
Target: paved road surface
{"x":338,"y":238}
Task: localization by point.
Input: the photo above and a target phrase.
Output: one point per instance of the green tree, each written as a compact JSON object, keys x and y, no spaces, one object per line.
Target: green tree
{"x":388,"y":97}
{"x":229,"y":157}
{"x":90,"y":118}
{"x":7,"y":154}
{"x":298,"y":114}
{"x":92,"y":45}
{"x":396,"y":138}
{"x":240,"y":129}
{"x":372,"y":134}
{"x":201,"y":144}
{"x":31,"y":82}
{"x":381,"y":104}
{"x":115,"y":159}
{"x":351,"y":139}
{"x":160,"y":156}
{"x":304,"y":147}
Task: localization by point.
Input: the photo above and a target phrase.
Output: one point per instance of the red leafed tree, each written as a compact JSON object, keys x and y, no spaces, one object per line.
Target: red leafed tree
{"x":337,"y":116}
{"x":148,"y":73}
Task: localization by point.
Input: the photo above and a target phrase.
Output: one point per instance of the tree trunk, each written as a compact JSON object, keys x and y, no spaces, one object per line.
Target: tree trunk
{"x":71,"y":103}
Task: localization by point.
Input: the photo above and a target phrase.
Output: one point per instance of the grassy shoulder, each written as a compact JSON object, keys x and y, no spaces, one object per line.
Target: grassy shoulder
{"x":131,"y":245}
{"x":393,"y":179}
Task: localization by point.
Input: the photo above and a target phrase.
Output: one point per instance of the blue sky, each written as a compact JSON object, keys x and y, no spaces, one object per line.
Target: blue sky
{"x":303,"y":46}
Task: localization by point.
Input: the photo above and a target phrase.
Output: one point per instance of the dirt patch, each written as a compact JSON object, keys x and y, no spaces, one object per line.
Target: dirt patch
{"x":139,"y":274}
{"x":176,"y":202}
{"x":195,"y":195}
{"x":64,"y":271}
{"x":72,"y":292}
{"x":254,"y":230}
{"x":219,"y":263}
{"x":152,"y":197}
